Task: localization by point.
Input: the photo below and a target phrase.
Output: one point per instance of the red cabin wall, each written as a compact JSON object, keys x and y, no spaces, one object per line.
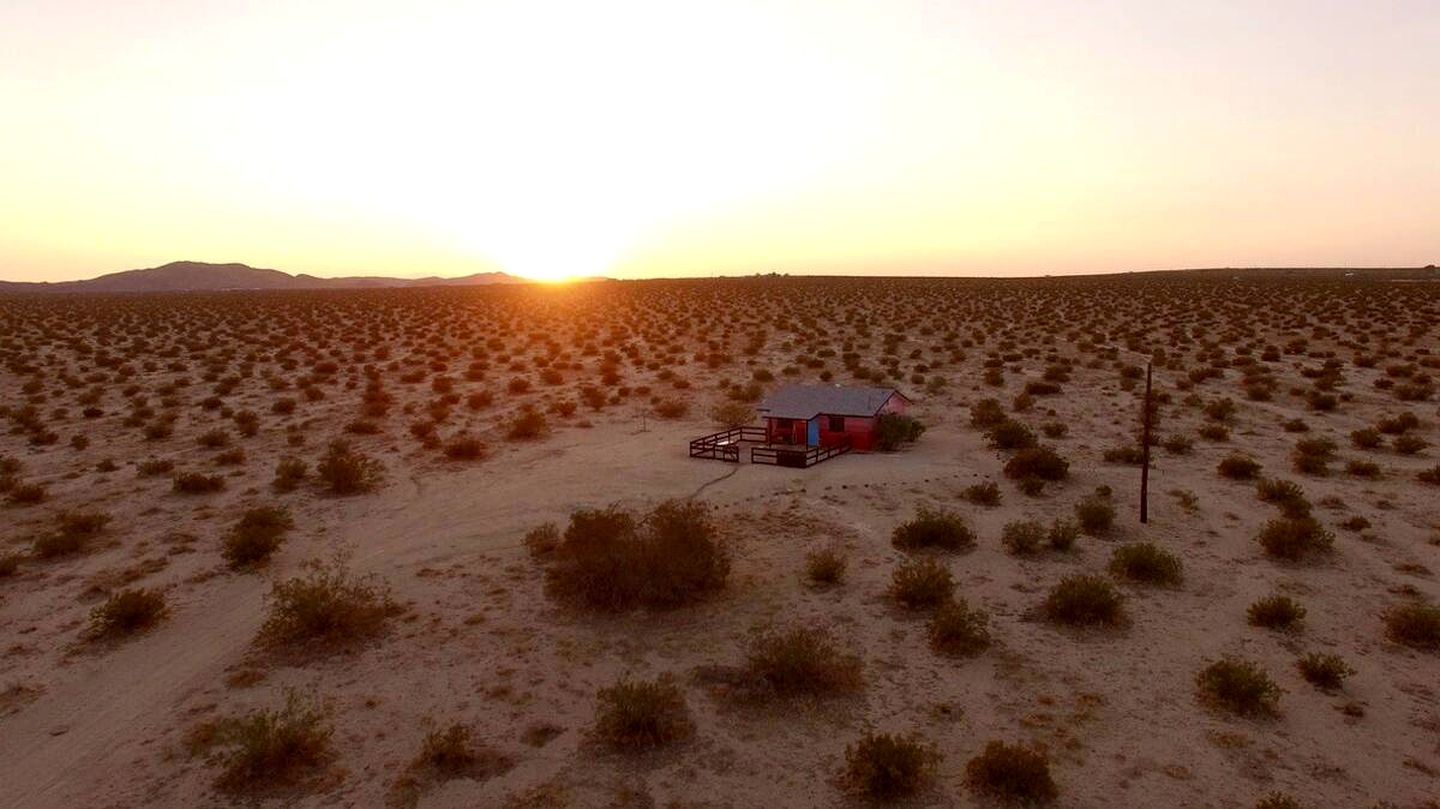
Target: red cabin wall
{"x":860,"y":429}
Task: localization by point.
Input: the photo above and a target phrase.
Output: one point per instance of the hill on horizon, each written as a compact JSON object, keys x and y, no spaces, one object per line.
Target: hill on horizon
{"x":200,"y":276}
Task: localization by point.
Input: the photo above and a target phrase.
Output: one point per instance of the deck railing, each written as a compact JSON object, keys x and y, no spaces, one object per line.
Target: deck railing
{"x":725,"y":445}
{"x":798,"y":457}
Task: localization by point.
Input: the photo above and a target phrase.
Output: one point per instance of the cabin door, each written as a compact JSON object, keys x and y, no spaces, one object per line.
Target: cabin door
{"x":813,"y":436}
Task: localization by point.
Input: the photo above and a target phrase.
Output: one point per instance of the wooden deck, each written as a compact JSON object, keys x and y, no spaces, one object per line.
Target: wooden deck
{"x":725,"y":446}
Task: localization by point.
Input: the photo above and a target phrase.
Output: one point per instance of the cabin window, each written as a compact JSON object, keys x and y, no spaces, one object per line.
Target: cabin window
{"x":837,"y":424}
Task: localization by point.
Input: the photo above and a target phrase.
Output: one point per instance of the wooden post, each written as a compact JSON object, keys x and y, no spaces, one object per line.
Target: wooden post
{"x":1145,"y":450}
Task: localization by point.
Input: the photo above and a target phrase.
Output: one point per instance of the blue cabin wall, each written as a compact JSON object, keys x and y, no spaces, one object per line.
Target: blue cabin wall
{"x":812,"y":437}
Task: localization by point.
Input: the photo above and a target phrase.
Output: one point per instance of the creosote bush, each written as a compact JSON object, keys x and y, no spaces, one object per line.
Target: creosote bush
{"x":449,"y":753}
{"x":1096,"y":515}
{"x":1042,"y":464}
{"x":1294,"y":539}
{"x":1324,"y":671}
{"x":608,"y":560}
{"x":197,"y":483}
{"x":289,"y":474}
{"x":641,"y":715}
{"x":1276,"y":612}
{"x":1284,"y":494}
{"x":1023,"y":537}
{"x":923,"y":583}
{"x":271,"y":748}
{"x":825,"y":568}
{"x":1146,"y":562}
{"x":1084,"y":600}
{"x":982,"y":494}
{"x":326,"y":605}
{"x":1416,"y":625}
{"x":959,"y":631}
{"x":894,"y":430}
{"x":803,"y":662}
{"x":347,"y":471}
{"x":1239,"y":687}
{"x":885,"y":767}
{"x":943,"y":530}
{"x":127,"y":612}
{"x":464,"y":447}
{"x":1012,"y":773}
{"x":256,"y":535}
{"x":1239,"y":467}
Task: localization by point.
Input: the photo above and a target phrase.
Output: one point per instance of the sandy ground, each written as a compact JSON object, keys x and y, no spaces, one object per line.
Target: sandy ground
{"x":104,"y":725}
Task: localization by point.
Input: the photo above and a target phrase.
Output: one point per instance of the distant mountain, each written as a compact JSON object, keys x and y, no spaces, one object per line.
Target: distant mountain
{"x":198,"y":276}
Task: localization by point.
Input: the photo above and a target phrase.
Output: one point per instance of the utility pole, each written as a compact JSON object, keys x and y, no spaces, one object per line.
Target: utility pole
{"x":1145,"y":448}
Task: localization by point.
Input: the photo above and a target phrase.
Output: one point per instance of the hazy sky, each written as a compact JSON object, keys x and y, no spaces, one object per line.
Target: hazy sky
{"x":673,"y":138}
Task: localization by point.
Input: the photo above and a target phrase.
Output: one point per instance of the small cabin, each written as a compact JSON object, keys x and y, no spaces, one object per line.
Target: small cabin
{"x":828,"y":415}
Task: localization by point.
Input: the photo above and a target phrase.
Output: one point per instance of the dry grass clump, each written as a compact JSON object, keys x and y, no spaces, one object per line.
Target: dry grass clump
{"x":464,"y":447}
{"x":924,"y":583}
{"x":1279,"y":800}
{"x":1430,"y":476}
{"x":1239,"y":687}
{"x":1239,"y":467}
{"x":256,"y":535}
{"x":1416,"y":625}
{"x":1084,"y":600}
{"x":1325,"y":672}
{"x":958,"y":630}
{"x":270,"y":748}
{"x":1023,"y":537}
{"x":326,"y":605}
{"x":803,"y":662}
{"x":72,"y":534}
{"x":1012,"y":773}
{"x":542,"y":540}
{"x":127,"y":612}
{"x":982,"y":494}
{"x":25,"y":494}
{"x":825,"y":568}
{"x":449,"y":753}
{"x":1276,"y":612}
{"x":939,"y":529}
{"x":346,"y":471}
{"x":608,"y":560}
{"x":639,"y":715}
{"x":1148,"y":563}
{"x":885,"y":767}
{"x":197,"y":483}
{"x":1294,"y":539}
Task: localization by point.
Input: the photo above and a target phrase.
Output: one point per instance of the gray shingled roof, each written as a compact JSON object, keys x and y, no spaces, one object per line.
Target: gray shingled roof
{"x":808,"y":401}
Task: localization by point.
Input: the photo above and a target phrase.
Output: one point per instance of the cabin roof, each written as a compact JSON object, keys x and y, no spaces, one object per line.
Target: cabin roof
{"x":808,"y":401}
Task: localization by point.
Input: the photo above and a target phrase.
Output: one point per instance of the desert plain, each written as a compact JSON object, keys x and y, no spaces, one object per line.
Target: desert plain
{"x":139,"y":431}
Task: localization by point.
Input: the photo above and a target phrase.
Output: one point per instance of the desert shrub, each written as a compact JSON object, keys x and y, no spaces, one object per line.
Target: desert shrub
{"x":732,"y":414}
{"x":542,"y":540}
{"x":289,"y":474}
{"x":608,"y":560}
{"x":1363,"y":469}
{"x":882,"y":767}
{"x":1146,"y":562}
{"x":275,"y":747}
{"x":1430,"y":476}
{"x":1239,"y":687}
{"x":73,"y":532}
{"x":1312,"y":456}
{"x":803,"y":661}
{"x":1325,"y":672}
{"x":640,"y":715}
{"x":1416,"y":625}
{"x":326,"y":605}
{"x":1368,"y":438}
{"x":1095,"y":515}
{"x":448,"y":753}
{"x":256,"y":535}
{"x":197,"y":483}
{"x":956,"y":629}
{"x":1012,"y":773}
{"x":1215,"y":432}
{"x":26,"y":494}
{"x":1296,"y":426}
{"x":982,"y":494}
{"x":1410,"y":444}
{"x":346,"y":471}
{"x":1239,"y":467}
{"x":1023,"y":537}
{"x":1279,"y":800}
{"x":1039,"y":463}
{"x":894,"y":430}
{"x":214,"y":439}
{"x":1285,"y":494}
{"x":1062,"y":535}
{"x":529,"y":424}
{"x":987,"y":413}
{"x":1084,"y":600}
{"x":1178,"y":444}
{"x":921,"y":583}
{"x":1294,"y":539}
{"x":155,"y":468}
{"x":127,"y":612}
{"x":465,"y":447}
{"x":1276,"y":612}
{"x":9,"y":564}
{"x":1126,"y":454}
{"x":672,"y":408}
{"x":941,"y":529}
{"x":1012,"y":435}
{"x":825,"y":567}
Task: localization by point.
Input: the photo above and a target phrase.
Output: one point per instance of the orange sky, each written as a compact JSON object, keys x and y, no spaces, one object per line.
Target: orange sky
{"x":666,"y":138}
